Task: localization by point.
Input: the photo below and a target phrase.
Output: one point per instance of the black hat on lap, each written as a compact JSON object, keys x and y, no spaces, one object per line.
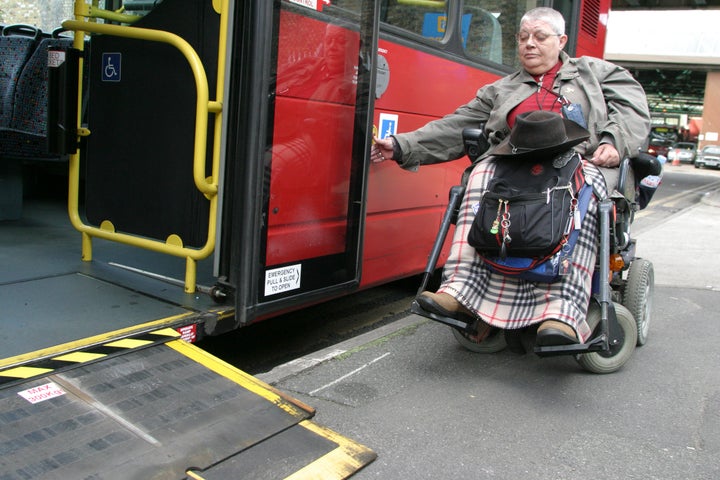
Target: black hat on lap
{"x":540,"y":134}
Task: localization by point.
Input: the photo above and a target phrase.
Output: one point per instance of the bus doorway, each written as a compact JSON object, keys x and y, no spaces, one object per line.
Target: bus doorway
{"x":300,"y":119}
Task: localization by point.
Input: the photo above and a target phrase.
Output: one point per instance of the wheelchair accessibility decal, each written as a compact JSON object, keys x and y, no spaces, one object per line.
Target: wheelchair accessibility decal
{"x":111,"y":66}
{"x":388,"y":124}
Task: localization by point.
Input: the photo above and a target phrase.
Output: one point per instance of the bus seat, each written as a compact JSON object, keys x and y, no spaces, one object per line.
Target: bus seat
{"x":17,"y":43}
{"x":28,"y":127}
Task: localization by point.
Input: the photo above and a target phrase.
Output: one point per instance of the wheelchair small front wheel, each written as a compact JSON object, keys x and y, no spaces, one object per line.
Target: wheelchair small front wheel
{"x":493,"y":343}
{"x":608,"y":362}
{"x":637,"y":295}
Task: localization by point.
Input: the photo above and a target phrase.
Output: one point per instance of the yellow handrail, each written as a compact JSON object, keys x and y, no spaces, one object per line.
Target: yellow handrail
{"x":93,"y":11}
{"x":424,"y":3}
{"x":202,"y":102}
{"x":207,"y":185}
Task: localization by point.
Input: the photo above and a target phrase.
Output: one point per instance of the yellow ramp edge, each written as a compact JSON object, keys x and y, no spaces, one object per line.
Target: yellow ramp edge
{"x":342,"y":460}
{"x":340,"y":463}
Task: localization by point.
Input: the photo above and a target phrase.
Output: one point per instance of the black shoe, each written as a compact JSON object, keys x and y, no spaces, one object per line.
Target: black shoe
{"x":442,"y":304}
{"x":553,"y":333}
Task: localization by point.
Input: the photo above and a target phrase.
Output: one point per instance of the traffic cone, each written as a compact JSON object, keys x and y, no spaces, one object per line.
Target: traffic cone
{"x":676,"y":159}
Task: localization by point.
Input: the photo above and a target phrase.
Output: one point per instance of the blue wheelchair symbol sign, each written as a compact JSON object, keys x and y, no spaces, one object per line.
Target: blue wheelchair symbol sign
{"x":111,"y":65}
{"x":388,"y":125}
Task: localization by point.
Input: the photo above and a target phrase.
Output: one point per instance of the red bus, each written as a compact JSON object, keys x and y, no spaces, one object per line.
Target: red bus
{"x":218,"y":151}
{"x":195,"y":166}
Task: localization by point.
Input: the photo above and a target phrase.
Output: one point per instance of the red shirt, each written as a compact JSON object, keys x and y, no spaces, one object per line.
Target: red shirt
{"x":543,"y":99}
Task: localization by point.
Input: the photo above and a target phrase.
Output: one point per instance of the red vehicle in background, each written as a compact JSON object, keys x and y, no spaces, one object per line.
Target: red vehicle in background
{"x":662,"y":137}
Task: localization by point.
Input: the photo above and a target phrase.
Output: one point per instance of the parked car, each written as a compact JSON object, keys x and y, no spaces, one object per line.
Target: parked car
{"x":709,"y":156}
{"x":683,"y":151}
{"x":659,"y":147}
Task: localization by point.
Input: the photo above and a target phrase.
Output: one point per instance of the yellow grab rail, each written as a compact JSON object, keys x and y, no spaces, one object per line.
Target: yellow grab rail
{"x":207,"y":185}
{"x":424,"y":3}
{"x":93,"y":11}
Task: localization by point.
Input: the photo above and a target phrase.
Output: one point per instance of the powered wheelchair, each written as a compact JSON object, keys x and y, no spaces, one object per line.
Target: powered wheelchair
{"x":621,"y":298}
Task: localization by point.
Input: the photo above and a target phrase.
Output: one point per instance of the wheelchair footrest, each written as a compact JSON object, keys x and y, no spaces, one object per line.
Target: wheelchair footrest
{"x":596,"y":344}
{"x":469,"y":327}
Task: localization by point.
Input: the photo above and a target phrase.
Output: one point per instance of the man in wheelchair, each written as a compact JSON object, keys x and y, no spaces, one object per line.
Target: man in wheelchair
{"x":589,"y":92}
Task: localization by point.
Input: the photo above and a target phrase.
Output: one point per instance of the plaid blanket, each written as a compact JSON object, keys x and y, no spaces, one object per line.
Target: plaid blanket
{"x":511,"y":303}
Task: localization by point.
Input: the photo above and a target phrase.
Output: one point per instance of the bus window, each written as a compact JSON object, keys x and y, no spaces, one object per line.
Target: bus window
{"x":481,"y":32}
{"x":491,"y":26}
{"x":37,"y":13}
{"x":422,"y":17}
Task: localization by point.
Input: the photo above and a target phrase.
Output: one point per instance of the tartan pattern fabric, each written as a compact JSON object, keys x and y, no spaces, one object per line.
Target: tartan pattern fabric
{"x":511,"y":303}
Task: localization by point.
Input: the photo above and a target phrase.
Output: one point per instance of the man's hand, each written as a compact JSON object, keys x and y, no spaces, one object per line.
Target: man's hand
{"x":606,"y":155}
{"x":382,"y":150}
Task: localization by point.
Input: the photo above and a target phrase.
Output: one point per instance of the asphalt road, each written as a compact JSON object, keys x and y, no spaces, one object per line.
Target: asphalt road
{"x":261,"y":347}
{"x":433,"y":410}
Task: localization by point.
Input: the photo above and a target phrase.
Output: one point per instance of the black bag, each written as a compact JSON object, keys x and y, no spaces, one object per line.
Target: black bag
{"x":529,"y":208}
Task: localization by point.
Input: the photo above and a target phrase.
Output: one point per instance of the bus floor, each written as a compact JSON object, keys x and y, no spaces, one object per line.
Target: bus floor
{"x":49,"y":296}
{"x":95,"y":382}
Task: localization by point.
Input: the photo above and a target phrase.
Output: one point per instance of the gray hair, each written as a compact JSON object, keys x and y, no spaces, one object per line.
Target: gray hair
{"x":548,"y":15}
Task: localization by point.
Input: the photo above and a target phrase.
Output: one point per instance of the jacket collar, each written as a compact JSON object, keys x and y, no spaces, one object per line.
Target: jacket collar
{"x":568,"y":70}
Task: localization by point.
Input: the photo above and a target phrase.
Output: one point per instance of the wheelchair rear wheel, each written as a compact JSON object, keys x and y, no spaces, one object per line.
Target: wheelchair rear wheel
{"x":493,"y":343}
{"x":637,"y":295}
{"x":608,"y":362}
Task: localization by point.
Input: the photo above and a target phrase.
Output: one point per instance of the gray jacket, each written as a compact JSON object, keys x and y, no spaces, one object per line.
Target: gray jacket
{"x":612,"y":101}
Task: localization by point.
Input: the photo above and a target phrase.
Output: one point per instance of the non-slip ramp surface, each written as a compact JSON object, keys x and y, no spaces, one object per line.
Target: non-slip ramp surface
{"x":169,"y":411}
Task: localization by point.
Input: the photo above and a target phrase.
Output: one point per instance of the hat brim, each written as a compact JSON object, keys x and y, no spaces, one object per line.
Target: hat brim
{"x":575,"y":136}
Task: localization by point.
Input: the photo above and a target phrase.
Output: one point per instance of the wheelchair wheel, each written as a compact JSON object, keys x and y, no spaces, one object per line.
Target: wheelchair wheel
{"x":493,"y":343}
{"x":608,"y":362}
{"x":637,"y":295}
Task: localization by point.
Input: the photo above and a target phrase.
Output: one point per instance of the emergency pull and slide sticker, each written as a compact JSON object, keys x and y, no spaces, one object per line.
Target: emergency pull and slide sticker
{"x":283,"y":279}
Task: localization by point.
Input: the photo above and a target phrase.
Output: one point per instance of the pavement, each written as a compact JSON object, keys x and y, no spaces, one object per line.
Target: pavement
{"x":433,"y":410}
{"x":682,"y":246}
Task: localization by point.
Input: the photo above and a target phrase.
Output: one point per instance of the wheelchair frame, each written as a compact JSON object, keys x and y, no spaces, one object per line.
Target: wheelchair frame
{"x":608,"y":336}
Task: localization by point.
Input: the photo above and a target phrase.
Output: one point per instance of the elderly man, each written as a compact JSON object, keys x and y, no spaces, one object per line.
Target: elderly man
{"x":596,"y":94}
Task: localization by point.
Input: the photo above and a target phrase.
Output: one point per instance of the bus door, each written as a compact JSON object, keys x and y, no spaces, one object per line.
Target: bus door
{"x":149,"y":125}
{"x":300,"y":105}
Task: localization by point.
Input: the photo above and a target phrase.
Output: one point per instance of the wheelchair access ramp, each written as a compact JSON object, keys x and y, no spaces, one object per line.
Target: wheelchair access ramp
{"x":157,"y":407}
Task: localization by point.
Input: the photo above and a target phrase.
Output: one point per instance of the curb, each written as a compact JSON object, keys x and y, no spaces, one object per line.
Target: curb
{"x":711,"y":198}
{"x":294,"y":367}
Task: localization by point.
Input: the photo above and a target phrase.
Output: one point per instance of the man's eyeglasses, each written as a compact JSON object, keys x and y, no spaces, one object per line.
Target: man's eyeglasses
{"x":539,"y":36}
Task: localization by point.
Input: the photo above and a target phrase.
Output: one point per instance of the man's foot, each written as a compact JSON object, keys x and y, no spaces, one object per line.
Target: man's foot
{"x":443,"y":304}
{"x":553,"y":333}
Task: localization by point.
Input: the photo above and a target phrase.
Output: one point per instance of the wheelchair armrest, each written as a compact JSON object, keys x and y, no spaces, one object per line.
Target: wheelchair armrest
{"x":475,"y":142}
{"x":624,"y":175}
{"x":645,"y":164}
{"x":635,"y":169}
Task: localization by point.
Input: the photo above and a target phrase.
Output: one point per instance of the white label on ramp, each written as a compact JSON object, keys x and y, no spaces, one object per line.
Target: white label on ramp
{"x":42,"y":392}
{"x":283,"y":279}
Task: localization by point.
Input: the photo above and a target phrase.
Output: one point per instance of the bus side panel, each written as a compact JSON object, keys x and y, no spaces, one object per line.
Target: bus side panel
{"x":405,"y":208}
{"x":593,"y":28}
